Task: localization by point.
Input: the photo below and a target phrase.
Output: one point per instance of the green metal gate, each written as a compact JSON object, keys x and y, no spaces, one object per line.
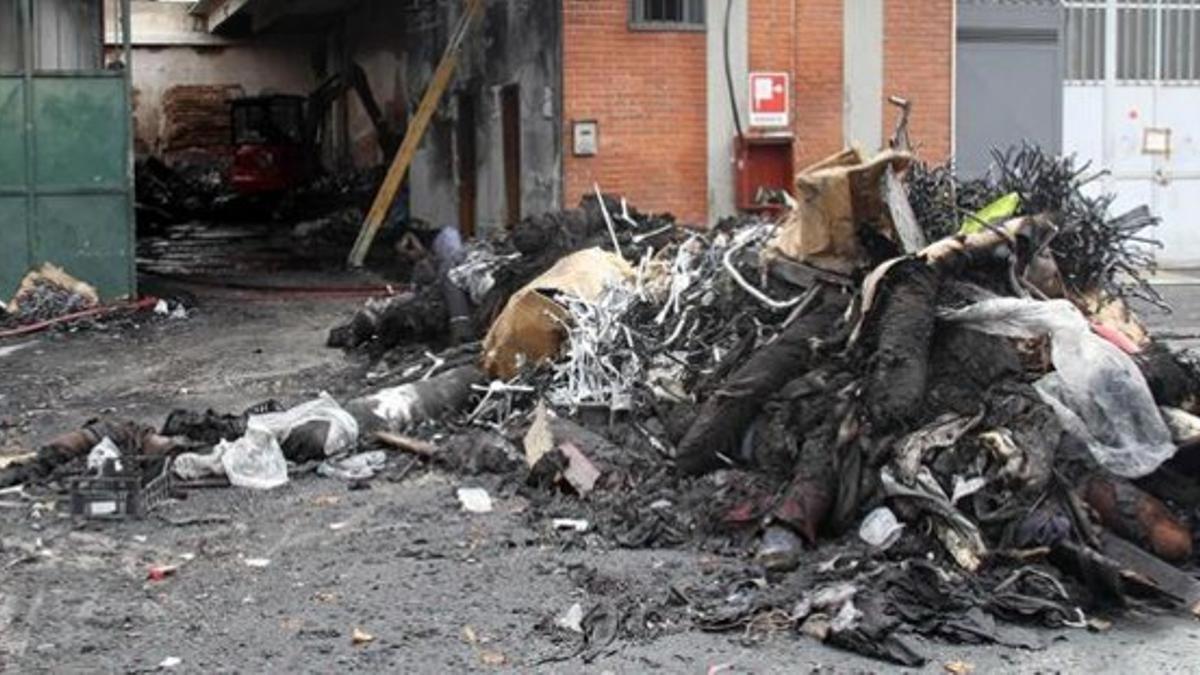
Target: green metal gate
{"x":65,"y":157}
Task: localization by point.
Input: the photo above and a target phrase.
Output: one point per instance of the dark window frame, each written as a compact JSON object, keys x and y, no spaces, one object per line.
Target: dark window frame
{"x":692,"y":11}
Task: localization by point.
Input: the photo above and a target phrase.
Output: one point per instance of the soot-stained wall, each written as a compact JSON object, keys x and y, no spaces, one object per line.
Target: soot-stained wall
{"x":516,"y":42}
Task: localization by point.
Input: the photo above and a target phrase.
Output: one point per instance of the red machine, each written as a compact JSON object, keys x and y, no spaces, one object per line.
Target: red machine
{"x":276,"y":138}
{"x":269,"y":153}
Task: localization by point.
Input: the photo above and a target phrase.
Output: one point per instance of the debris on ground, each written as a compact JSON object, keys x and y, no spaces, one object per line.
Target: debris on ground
{"x":961,"y":432}
{"x":475,"y":500}
{"x":48,"y":292}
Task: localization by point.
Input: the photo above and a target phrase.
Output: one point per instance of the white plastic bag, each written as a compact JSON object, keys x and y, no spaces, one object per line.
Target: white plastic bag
{"x":343,"y":429}
{"x":101,"y":453}
{"x":880,"y":529}
{"x":194,"y":466}
{"x":1096,"y":390}
{"x":254,"y":460}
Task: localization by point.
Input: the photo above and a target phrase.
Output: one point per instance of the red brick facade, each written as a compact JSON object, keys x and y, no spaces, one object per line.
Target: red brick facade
{"x":804,"y":39}
{"x":918,"y":49}
{"x":647,"y":90}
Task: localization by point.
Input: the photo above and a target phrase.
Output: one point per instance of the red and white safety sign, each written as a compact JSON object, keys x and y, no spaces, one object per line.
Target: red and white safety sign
{"x":769,"y":100}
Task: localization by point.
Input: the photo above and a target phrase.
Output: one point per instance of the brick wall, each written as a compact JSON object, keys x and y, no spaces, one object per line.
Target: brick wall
{"x":818,"y":118}
{"x":918,"y":44}
{"x":804,"y":39}
{"x":647,"y":90}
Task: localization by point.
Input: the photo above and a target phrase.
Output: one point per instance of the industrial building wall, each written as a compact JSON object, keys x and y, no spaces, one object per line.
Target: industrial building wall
{"x":918,"y":64}
{"x":183,"y":76}
{"x":164,"y":72}
{"x":646,"y":89}
{"x":804,"y":39}
{"x":510,"y":71}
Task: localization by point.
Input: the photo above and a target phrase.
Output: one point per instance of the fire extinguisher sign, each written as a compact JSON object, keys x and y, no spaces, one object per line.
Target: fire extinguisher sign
{"x":769,"y":100}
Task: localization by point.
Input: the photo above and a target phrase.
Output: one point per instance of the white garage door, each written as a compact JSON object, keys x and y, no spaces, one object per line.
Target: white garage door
{"x":1131,"y":104}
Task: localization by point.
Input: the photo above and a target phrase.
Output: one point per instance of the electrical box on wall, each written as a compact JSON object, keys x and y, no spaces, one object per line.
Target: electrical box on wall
{"x":585,"y":137}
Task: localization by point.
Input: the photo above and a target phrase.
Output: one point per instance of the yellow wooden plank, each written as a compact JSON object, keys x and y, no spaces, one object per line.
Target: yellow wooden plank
{"x":412,"y":138}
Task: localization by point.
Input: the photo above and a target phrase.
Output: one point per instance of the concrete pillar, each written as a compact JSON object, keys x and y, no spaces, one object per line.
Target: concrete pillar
{"x":721,"y":128}
{"x":862,"y":73}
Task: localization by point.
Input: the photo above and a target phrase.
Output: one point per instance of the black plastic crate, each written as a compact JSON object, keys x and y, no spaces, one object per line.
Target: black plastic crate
{"x":131,"y":493}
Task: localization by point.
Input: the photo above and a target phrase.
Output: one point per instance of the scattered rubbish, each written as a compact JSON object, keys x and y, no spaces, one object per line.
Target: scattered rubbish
{"x":255,"y":460}
{"x":475,"y":500}
{"x":120,"y":488}
{"x":492,"y":657}
{"x":315,"y":429}
{"x":361,"y":637}
{"x":947,"y":368}
{"x":581,"y":473}
{"x":104,"y":453}
{"x":164,"y":308}
{"x":10,"y":460}
{"x":362,"y":466}
{"x":48,"y":292}
{"x":572,"y":619}
{"x":539,"y":440}
{"x":1139,"y":517}
{"x":823,"y":231}
{"x":571,"y":524}
{"x":1097,"y":390}
{"x":880,"y":529}
{"x":407,"y":443}
{"x":398,"y":408}
{"x":161,"y":572}
{"x":779,"y":550}
{"x":529,"y":330}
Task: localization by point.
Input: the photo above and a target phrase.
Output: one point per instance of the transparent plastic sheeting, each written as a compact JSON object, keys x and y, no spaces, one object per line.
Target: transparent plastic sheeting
{"x":1097,"y":391}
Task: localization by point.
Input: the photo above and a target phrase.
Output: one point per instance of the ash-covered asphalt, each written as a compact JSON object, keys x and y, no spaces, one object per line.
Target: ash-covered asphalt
{"x":438,"y":589}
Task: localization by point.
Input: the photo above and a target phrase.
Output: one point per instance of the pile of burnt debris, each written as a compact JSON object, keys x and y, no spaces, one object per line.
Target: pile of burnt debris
{"x":914,"y":404}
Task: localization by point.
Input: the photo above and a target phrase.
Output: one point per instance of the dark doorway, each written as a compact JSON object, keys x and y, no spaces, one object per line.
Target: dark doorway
{"x":468,"y":179}
{"x":510,"y":114}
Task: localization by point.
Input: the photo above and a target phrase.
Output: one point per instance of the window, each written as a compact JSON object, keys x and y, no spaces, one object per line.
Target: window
{"x":1181,"y":42}
{"x":1137,"y":31}
{"x":1155,"y":40}
{"x":667,"y":14}
{"x":1085,"y":42}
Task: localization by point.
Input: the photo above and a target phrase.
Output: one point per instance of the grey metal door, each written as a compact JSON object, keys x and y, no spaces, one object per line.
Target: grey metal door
{"x":1009,"y":78}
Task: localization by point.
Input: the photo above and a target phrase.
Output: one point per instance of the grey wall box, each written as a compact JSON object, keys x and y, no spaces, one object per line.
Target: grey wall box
{"x":585,"y":138}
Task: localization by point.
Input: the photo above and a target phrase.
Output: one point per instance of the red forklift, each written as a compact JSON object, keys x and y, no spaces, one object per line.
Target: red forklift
{"x":276,"y":137}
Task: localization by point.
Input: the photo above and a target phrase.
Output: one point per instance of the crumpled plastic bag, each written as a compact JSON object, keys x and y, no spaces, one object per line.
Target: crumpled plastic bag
{"x":1097,"y":391}
{"x":194,"y":466}
{"x":342,"y":434}
{"x":254,"y":460}
{"x":102,"y":452}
